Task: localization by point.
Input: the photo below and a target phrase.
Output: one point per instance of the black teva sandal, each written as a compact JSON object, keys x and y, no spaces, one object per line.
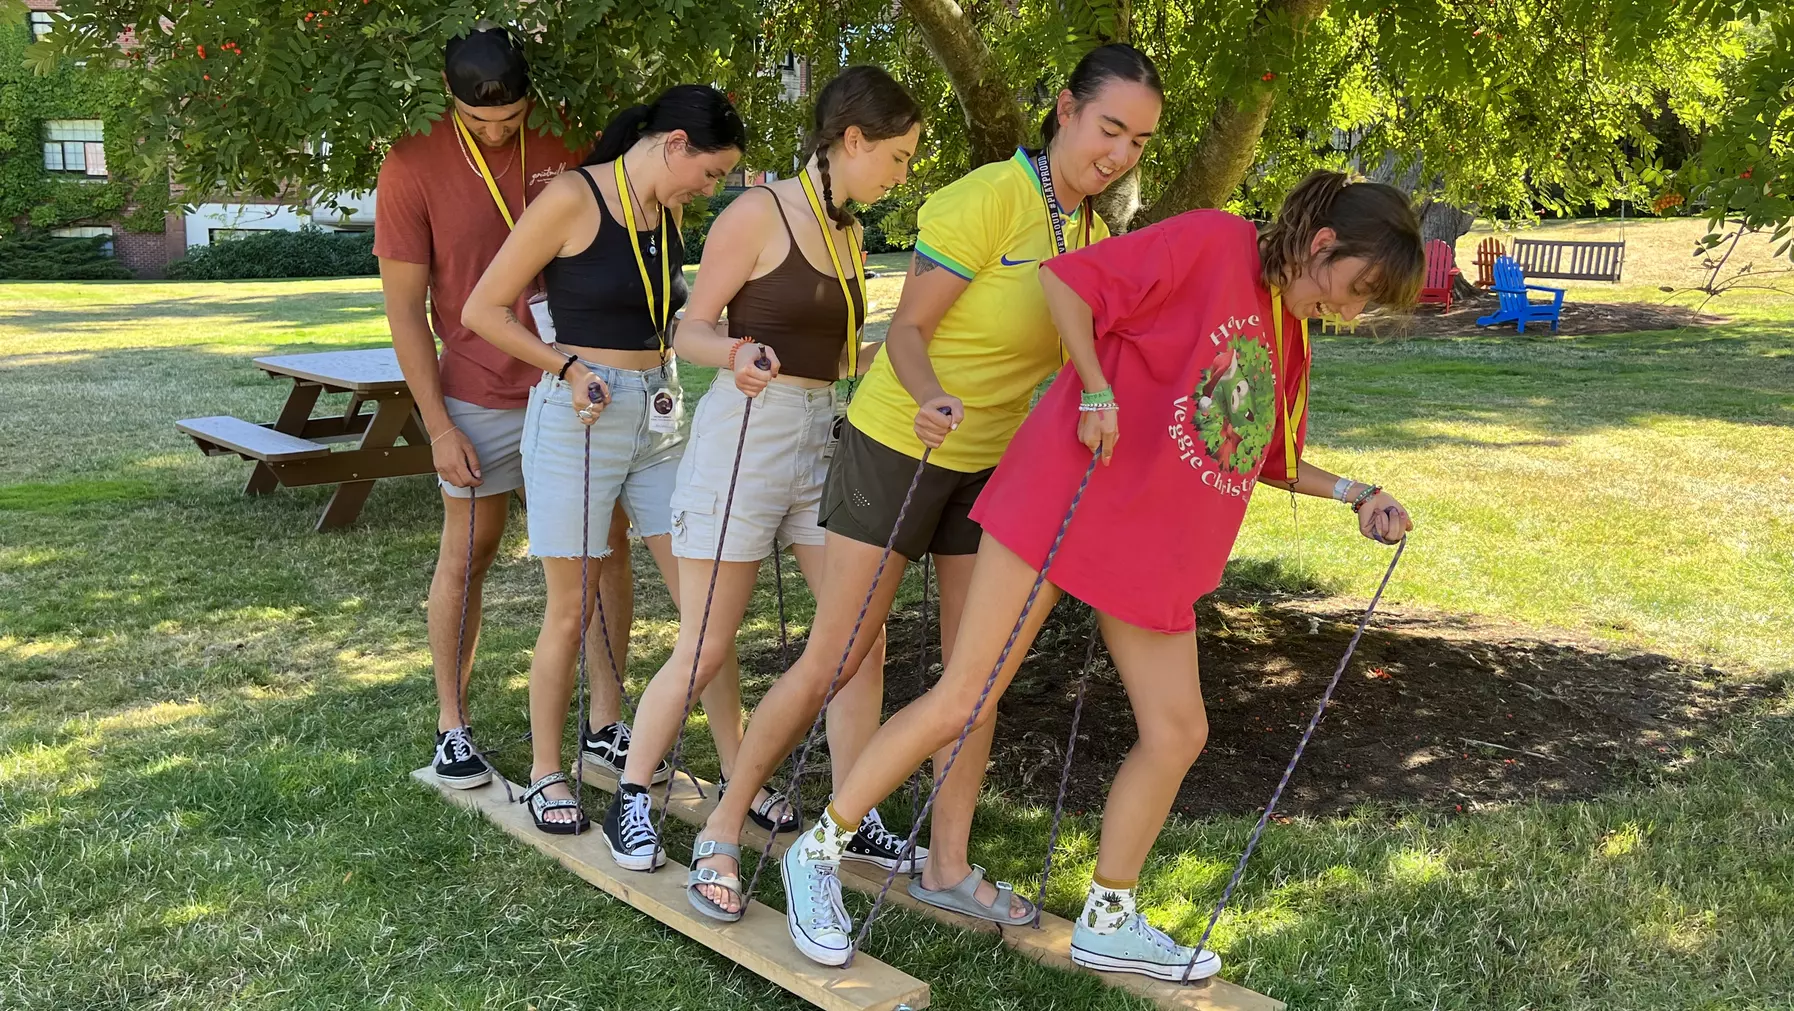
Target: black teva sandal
{"x":761,"y":813}
{"x":540,"y":805}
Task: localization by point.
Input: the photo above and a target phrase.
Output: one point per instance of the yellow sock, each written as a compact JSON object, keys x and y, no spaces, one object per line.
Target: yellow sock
{"x":1112,"y":883}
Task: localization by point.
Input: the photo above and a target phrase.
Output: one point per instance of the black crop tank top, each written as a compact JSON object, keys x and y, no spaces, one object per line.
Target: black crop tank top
{"x":595,"y":295}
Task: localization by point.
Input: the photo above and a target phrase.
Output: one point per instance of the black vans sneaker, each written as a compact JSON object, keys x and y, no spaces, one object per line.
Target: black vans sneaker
{"x":608,"y":747}
{"x":875,"y":844}
{"x":457,"y":764}
{"x":629,"y":828}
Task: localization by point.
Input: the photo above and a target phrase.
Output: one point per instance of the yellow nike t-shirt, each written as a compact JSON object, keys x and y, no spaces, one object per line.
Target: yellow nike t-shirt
{"x":997,"y":341}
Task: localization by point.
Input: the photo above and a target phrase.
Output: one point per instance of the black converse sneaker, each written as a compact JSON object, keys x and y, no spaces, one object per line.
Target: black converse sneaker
{"x":608,"y":747}
{"x":629,"y":828}
{"x":876,"y":844}
{"x":457,"y":764}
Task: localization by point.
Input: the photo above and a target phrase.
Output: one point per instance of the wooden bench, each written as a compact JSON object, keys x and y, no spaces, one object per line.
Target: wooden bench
{"x":1573,"y":261}
{"x":221,"y":434}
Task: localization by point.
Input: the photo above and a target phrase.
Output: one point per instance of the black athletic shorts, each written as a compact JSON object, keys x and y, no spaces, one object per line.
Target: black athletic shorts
{"x":866,"y":484}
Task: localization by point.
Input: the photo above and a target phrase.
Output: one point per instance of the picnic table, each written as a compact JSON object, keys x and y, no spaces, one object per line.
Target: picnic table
{"x":297,"y":450}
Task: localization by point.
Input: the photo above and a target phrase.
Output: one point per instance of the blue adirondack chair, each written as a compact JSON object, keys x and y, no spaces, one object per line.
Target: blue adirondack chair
{"x":1516,"y":306}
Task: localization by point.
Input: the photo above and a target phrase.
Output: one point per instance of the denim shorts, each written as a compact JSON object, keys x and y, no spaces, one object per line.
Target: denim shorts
{"x":625,"y":460}
{"x":778,"y":487}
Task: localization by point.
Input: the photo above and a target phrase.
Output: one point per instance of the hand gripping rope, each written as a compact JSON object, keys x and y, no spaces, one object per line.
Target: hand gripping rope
{"x":764,"y":364}
{"x":834,"y":685}
{"x":983,"y":697}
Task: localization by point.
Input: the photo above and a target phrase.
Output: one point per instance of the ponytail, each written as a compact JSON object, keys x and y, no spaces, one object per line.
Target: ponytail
{"x":710,"y":123}
{"x":1370,"y":221}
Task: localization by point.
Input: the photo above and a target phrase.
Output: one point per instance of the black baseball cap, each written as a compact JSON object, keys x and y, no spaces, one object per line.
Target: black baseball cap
{"x":486,"y":67}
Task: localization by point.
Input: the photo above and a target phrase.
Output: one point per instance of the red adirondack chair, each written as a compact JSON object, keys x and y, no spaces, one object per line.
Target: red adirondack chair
{"x":1441,"y":274}
{"x":1486,"y":255}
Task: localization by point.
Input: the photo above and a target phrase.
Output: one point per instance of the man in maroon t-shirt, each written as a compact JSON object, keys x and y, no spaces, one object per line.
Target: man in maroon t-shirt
{"x":437,"y":226}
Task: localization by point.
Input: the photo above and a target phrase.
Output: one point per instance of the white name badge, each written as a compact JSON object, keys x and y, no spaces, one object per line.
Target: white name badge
{"x":663,"y":412}
{"x":538,"y":310}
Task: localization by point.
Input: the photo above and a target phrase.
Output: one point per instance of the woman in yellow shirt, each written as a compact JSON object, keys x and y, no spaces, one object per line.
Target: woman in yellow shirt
{"x":970,"y":342}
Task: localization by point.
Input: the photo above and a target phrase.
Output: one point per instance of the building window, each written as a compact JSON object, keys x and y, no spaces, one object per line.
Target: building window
{"x":75,"y":146}
{"x":41,"y":23}
{"x":86,"y":232}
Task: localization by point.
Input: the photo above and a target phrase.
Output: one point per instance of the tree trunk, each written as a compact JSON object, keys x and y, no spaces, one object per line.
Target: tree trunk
{"x":1230,"y":142}
{"x":993,"y":116}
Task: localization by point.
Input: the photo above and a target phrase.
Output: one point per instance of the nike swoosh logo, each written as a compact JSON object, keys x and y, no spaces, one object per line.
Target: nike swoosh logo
{"x":1007,"y":262}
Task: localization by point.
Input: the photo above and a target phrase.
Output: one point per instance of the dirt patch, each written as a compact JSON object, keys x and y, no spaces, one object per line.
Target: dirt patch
{"x":1436,"y":710}
{"x":1578,"y":318}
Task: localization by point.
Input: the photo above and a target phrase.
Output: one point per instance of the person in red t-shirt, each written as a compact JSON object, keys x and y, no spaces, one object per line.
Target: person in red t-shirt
{"x":1196,"y":326}
{"x":436,"y":227}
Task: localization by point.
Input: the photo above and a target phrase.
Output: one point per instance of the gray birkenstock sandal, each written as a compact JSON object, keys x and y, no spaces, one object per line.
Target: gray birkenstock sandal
{"x":963,"y":898}
{"x":704,"y":849}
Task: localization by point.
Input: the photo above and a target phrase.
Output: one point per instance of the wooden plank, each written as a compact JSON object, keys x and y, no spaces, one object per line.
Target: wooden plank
{"x":373,"y":370}
{"x":758,"y":942}
{"x":250,"y":440}
{"x":1050,"y":944}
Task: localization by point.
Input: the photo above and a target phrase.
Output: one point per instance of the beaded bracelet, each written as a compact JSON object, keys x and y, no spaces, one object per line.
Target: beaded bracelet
{"x":1098,"y":408}
{"x":1370,"y":492}
{"x":733,"y":348}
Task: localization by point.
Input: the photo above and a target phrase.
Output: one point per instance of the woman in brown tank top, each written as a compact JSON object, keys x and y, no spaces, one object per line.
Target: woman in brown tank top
{"x":785,"y":260}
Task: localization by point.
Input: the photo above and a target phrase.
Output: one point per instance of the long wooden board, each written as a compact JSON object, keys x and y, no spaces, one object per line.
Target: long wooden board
{"x":758,"y":942}
{"x":1050,"y":944}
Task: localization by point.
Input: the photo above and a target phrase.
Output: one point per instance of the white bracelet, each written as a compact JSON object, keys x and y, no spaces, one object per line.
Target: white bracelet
{"x":445,"y":431}
{"x":1342,"y":487}
{"x":1098,"y":408}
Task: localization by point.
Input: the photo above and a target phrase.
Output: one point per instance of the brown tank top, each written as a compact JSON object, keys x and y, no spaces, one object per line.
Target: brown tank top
{"x":798,"y":311}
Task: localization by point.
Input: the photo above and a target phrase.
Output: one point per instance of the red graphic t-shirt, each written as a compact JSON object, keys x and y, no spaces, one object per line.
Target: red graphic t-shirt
{"x":433,"y":207}
{"x":1185,"y":337}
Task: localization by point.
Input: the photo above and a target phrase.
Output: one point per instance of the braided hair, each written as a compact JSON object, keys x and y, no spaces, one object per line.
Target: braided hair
{"x":865,"y":97}
{"x":1371,"y":221}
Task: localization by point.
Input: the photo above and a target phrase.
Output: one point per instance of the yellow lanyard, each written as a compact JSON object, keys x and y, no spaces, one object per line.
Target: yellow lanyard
{"x":666,"y":284}
{"x":486,"y":173}
{"x":859,"y":273}
{"x":1292,"y":416}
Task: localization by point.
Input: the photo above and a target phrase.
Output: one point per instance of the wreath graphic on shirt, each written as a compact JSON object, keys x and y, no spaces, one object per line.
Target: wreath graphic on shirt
{"x":1236,"y":405}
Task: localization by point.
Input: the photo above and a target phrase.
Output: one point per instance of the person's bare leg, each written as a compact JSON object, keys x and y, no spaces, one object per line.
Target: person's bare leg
{"x":791,"y":705}
{"x":657,"y":716}
{"x":616,"y":601}
{"x":853,"y":716}
{"x":722,"y":698}
{"x":1165,"y":690}
{"x":551,"y":671}
{"x":950,"y":831}
{"x":1000,"y":583}
{"x":444,"y":617}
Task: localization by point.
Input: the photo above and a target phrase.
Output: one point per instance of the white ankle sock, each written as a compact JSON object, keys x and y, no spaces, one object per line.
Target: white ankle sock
{"x":1107,"y":907}
{"x":828,"y":838}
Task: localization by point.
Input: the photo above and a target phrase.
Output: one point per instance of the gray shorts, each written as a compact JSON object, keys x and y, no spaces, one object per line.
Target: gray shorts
{"x":784,"y":463}
{"x":627,"y":461}
{"x":497,"y":437}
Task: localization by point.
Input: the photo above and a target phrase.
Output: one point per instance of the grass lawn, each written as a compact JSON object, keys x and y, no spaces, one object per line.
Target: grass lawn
{"x":207,"y":711}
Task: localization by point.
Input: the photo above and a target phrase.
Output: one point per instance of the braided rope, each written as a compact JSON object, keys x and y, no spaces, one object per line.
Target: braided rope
{"x":793,"y":793}
{"x":691,"y":682}
{"x":1320,"y":710}
{"x":983,"y":696}
{"x":1071,"y":743}
{"x":461,"y":687}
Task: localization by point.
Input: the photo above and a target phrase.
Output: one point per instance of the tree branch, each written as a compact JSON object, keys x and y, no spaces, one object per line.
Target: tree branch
{"x":993,"y":116}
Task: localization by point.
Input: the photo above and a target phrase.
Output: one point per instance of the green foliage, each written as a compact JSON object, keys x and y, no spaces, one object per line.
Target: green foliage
{"x":34,"y":256}
{"x":282,"y":97}
{"x":308,"y":252}
{"x":27,"y":99}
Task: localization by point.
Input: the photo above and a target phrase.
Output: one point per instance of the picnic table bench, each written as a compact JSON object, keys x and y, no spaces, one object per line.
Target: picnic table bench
{"x":298,"y":450}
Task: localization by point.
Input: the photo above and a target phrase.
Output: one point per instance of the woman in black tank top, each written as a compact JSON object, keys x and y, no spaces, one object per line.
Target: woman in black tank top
{"x":605,"y":239}
{"x":787,"y":268}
